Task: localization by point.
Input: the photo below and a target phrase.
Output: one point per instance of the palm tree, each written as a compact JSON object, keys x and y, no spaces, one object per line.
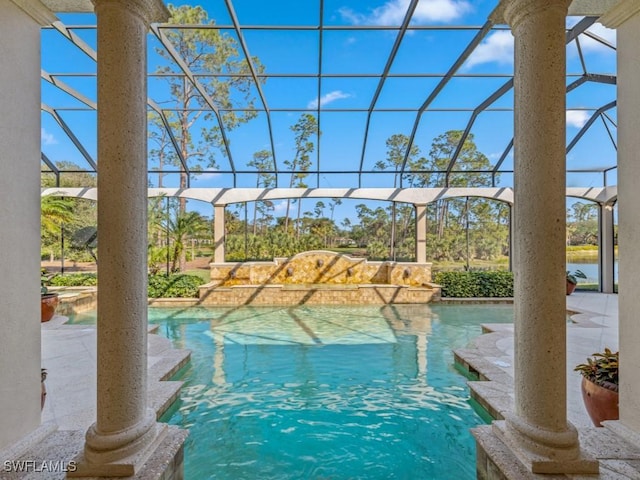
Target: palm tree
{"x":54,"y":211}
{"x":183,"y":226}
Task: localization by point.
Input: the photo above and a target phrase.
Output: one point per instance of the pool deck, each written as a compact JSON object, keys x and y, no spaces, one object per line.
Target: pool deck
{"x":71,"y":349}
{"x":593,"y":326}
{"x":69,"y":355}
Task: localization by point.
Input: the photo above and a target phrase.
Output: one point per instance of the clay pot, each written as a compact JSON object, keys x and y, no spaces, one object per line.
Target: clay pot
{"x":601,"y":403}
{"x":570,"y":287}
{"x":48,"y":304}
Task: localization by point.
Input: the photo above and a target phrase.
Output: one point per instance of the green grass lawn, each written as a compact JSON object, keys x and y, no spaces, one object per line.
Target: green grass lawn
{"x":203,"y":274}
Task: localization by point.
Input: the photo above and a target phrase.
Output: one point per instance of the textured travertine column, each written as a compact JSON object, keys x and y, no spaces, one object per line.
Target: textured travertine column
{"x":20,"y":219}
{"x":626,"y":19}
{"x":606,"y":257}
{"x":218,"y":234}
{"x":421,"y":233}
{"x":126,"y":431}
{"x":538,"y":432}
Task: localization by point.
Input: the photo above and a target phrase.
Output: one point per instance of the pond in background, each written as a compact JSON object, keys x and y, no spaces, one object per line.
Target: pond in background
{"x":590,"y":268}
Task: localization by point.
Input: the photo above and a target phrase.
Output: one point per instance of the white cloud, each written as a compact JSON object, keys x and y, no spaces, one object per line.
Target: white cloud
{"x":496,"y":48}
{"x":588,"y":44}
{"x":393,"y":12}
{"x":280,"y":206}
{"x":328,"y":98}
{"x":577,"y":118}
{"x":47,"y":138}
{"x":203,"y":177}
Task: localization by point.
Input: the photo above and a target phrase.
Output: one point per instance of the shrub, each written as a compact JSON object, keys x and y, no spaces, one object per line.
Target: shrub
{"x":75,"y":280}
{"x":174,"y":286}
{"x":160,"y":286}
{"x":475,"y":284}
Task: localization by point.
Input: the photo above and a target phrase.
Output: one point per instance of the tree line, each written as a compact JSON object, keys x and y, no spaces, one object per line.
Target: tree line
{"x":458,"y":230}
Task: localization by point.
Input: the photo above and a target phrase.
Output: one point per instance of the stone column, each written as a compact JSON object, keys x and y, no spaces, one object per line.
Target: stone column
{"x":218,"y":233}
{"x":20,"y":217}
{"x":421,"y":233}
{"x":625,"y":17}
{"x":125,"y":432}
{"x":538,"y":431}
{"x":606,"y":257}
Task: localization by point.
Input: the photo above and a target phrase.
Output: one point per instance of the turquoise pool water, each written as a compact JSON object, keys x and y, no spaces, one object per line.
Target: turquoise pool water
{"x":326,"y":392}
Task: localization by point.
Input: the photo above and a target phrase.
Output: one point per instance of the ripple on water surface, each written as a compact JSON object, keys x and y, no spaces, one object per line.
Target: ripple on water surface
{"x":326,"y":392}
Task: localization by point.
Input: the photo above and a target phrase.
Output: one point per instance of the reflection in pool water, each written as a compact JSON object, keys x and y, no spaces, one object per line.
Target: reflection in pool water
{"x":326,"y":392}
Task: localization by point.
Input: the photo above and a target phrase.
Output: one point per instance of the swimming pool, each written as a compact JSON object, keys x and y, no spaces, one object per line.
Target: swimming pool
{"x":326,"y":392}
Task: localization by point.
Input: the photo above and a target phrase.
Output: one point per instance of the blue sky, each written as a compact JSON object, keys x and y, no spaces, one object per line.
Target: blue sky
{"x":354,"y":52}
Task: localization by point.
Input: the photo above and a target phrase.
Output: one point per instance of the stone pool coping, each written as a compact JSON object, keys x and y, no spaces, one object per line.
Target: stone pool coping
{"x":489,"y":358}
{"x":71,"y":395}
{"x":69,"y":355}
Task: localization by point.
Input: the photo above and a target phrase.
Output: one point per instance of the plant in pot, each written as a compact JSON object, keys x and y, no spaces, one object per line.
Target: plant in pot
{"x":572,"y":280}
{"x":48,"y":300}
{"x":600,"y":386}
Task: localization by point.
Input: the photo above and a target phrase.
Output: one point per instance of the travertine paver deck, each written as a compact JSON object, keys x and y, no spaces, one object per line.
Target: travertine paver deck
{"x":68,"y":352}
{"x":69,"y":355}
{"x":594,"y":326}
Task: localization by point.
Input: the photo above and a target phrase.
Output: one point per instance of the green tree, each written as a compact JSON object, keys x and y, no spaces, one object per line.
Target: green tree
{"x":180,"y":227}
{"x":83,"y":212}
{"x":71,"y":175}
{"x":203,"y":50}
{"x":582,"y":224}
{"x":319,"y":209}
{"x":464,"y":174}
{"x":54,"y":212}
{"x":374,"y":225}
{"x":582,"y":212}
{"x":304,"y":129}
{"x":162,"y":152}
{"x":333,"y":204}
{"x":263,"y":162}
{"x":397,"y":146}
{"x":159,"y":209}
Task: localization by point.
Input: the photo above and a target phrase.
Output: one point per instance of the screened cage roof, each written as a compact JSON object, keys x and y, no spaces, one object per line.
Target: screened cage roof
{"x":382,"y":80}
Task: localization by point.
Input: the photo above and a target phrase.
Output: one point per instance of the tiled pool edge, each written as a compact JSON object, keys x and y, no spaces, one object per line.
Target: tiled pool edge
{"x":493,"y":390}
{"x":474,"y":300}
{"x":62,"y":446}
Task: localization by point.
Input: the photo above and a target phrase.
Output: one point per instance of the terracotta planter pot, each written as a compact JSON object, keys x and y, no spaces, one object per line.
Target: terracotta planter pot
{"x":570,"y":287}
{"x":48,"y":304}
{"x":601,"y":403}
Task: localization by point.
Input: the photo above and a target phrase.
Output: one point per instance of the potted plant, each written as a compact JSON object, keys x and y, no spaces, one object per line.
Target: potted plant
{"x":48,"y":301}
{"x":572,"y":280}
{"x":600,"y":386}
